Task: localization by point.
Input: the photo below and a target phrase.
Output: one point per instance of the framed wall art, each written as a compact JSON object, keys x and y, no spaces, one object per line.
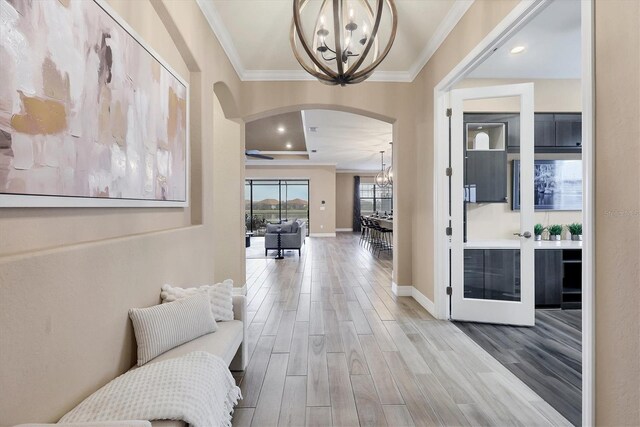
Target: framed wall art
{"x":89,"y":114}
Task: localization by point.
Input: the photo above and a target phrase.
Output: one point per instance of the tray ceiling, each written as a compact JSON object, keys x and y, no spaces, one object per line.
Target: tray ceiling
{"x":255,"y":36}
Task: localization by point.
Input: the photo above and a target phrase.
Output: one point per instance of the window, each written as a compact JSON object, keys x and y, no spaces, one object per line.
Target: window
{"x":374,"y":198}
{"x":275,"y":201}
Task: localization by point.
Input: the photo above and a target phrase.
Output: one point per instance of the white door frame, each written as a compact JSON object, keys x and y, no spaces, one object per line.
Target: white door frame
{"x":516,"y":19}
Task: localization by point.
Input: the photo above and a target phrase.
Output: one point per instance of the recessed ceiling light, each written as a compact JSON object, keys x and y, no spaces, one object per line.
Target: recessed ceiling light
{"x":281,"y":129}
{"x":518,"y":49}
{"x":288,"y":145}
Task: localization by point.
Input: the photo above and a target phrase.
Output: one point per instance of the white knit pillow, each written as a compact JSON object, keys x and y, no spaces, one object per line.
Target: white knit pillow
{"x":163,"y":327}
{"x":220,"y":297}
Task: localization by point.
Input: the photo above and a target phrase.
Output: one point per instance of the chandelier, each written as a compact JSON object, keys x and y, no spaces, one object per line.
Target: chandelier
{"x":344,"y":46}
{"x":389,"y":171}
{"x":382,"y":179}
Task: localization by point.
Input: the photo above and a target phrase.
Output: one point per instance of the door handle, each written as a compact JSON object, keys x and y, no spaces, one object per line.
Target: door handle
{"x":526,"y":234}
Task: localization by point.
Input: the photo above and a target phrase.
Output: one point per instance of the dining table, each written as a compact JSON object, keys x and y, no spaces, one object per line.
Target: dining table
{"x":384,"y":222}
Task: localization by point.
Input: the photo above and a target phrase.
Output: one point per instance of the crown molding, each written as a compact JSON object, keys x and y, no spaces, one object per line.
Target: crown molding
{"x":269,"y":163}
{"x":216,"y":23}
{"x":363,"y":172}
{"x":220,"y":30}
{"x":284,"y":153}
{"x":447,"y":25}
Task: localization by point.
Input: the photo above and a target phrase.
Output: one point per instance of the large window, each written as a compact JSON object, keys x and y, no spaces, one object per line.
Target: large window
{"x":374,"y":198}
{"x":275,"y":201}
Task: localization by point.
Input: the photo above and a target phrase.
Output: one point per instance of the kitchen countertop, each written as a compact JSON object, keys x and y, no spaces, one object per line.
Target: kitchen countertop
{"x":515,"y":244}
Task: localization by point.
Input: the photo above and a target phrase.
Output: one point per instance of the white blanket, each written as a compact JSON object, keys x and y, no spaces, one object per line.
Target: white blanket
{"x":196,"y":388}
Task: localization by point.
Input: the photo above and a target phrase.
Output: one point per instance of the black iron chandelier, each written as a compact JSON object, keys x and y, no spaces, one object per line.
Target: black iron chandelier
{"x":344,"y":46}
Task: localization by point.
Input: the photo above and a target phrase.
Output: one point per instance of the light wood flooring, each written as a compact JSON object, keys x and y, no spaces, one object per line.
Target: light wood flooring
{"x":329,"y":344}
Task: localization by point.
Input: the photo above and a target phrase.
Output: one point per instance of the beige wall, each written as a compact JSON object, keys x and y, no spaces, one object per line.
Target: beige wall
{"x":344,"y":197}
{"x":68,"y":276}
{"x":550,"y":95}
{"x":497,"y":220}
{"x":617,"y":212}
{"x":479,"y":20}
{"x":322,"y":186}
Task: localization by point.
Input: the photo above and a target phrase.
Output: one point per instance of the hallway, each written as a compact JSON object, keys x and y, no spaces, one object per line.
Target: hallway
{"x":329,"y":344}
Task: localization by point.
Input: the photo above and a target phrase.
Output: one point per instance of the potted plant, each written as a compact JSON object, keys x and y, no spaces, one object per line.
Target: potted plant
{"x":576,"y":231}
{"x":538,"y":229}
{"x":555,"y":232}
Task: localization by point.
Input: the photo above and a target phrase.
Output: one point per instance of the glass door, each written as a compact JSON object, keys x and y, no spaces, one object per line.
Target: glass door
{"x":492,"y":245}
{"x":275,"y":201}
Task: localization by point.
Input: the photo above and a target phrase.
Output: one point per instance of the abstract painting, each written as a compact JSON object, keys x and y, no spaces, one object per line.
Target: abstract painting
{"x":86,"y":110}
{"x":557,"y":185}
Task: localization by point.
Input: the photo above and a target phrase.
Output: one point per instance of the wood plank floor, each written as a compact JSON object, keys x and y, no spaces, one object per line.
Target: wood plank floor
{"x":329,"y":344}
{"x":546,"y":357}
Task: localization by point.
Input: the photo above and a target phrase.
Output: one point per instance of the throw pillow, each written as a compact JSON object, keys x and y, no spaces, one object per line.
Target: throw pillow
{"x":220,"y":297}
{"x":162,"y":327}
{"x":295,"y":226}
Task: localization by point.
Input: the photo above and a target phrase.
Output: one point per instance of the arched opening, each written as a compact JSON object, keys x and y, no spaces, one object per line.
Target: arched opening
{"x":331,"y":154}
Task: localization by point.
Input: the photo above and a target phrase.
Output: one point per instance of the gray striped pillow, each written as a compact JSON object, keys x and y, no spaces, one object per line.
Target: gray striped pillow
{"x":163,"y":327}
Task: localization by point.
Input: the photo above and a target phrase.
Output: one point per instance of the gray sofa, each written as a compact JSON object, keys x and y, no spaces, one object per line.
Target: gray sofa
{"x":293,"y":235}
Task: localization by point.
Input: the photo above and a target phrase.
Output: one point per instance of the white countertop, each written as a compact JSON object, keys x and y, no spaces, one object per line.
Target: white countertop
{"x":515,"y":244}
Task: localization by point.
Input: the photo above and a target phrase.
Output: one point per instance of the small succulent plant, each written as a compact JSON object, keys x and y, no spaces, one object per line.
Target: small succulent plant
{"x":538,"y":229}
{"x":555,"y":229}
{"x":575,"y":229}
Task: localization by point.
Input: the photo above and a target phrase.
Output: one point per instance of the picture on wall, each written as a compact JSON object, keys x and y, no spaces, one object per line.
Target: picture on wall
{"x":558,"y":185}
{"x":89,"y":116}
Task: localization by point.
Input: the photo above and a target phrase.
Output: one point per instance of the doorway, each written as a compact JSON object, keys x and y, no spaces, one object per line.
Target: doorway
{"x":567,"y":270}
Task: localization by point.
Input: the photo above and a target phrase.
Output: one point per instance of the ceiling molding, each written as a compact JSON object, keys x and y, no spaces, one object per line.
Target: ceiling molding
{"x":364,"y":172}
{"x":269,"y":163}
{"x":449,"y":22}
{"x":216,"y":23}
{"x":220,"y":30}
{"x":284,"y":153}
{"x":301,"y":75}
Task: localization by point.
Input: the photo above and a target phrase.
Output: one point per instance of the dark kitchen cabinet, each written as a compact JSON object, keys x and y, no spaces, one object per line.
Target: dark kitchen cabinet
{"x":492,"y":274}
{"x":474,"y":273}
{"x":544,"y":131}
{"x":568,"y":130}
{"x":502,"y":274}
{"x":553,"y":132}
{"x":495,"y":274}
{"x":548,"y":274}
{"x":487,"y":171}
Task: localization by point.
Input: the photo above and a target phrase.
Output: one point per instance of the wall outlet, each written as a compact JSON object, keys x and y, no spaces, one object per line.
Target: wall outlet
{"x":321,"y":208}
{"x":321,"y":226}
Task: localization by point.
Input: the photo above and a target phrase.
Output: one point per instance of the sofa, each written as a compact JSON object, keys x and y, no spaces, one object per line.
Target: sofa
{"x":293,"y":235}
{"x":228,"y":342}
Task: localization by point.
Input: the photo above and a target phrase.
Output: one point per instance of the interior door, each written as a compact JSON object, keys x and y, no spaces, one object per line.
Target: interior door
{"x":492,"y":246}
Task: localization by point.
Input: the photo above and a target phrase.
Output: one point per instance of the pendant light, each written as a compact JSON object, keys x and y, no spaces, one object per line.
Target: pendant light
{"x":382,"y":180}
{"x":389,"y":171}
{"x":343,"y":46}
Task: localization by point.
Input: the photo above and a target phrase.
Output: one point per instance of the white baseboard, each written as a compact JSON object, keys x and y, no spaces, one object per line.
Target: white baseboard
{"x":401,"y":291}
{"x":410,"y":291}
{"x":344,"y":230}
{"x":425,"y":302}
{"x":322,"y":235}
{"x":240,"y":290}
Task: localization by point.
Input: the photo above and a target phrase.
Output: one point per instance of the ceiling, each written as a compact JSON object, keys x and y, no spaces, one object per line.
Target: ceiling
{"x":272,"y":134}
{"x":255,"y":36}
{"x":552,"y":42}
{"x":348,"y":141}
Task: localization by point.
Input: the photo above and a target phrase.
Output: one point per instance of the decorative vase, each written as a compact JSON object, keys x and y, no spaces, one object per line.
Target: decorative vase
{"x":555,"y":237}
{"x":576,"y":237}
{"x":538,"y":237}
